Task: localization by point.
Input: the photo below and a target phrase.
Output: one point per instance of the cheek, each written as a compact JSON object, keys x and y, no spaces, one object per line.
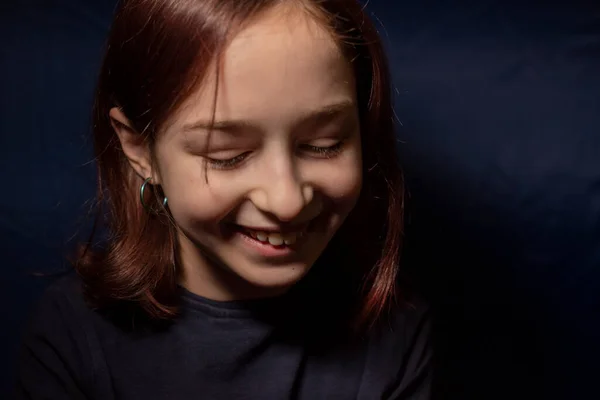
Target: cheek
{"x":343,"y":183}
{"x":192,"y":200}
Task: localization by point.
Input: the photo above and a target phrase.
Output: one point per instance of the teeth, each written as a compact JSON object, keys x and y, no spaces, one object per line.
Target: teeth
{"x":262,"y":236}
{"x":276,"y":239}
{"x":289,"y":238}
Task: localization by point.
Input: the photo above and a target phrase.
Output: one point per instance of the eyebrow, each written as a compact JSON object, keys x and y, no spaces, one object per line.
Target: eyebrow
{"x":321,"y":115}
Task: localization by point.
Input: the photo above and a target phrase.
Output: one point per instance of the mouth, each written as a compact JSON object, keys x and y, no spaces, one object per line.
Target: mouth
{"x":273,"y":238}
{"x":272,"y":242}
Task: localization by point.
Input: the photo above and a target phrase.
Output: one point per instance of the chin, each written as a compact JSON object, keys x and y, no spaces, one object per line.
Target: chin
{"x":273,"y":279}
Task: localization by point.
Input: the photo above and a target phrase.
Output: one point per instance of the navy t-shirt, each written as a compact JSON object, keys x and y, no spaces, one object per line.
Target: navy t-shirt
{"x":218,"y":350}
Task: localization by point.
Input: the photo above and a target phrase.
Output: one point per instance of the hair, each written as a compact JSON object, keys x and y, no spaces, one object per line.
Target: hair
{"x":157,"y":54}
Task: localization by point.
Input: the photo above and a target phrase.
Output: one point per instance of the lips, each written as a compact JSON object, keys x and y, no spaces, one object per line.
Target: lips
{"x":272,"y":237}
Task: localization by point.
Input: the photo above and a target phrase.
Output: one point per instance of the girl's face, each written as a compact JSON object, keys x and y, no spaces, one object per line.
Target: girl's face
{"x":257,"y":200}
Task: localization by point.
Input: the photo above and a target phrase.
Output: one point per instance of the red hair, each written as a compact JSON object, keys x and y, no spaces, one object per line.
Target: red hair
{"x":158,"y":53}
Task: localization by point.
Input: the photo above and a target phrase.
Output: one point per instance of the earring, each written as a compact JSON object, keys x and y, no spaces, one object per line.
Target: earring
{"x":142,"y":190}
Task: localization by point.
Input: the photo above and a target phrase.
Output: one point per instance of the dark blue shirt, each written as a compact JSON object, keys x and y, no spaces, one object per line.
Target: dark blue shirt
{"x":217,"y":350}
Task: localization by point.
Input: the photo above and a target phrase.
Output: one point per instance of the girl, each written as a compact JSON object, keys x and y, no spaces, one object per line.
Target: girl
{"x":248,"y":176}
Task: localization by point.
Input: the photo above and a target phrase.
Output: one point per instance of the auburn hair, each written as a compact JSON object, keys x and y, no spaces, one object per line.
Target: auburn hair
{"x":158,"y":52}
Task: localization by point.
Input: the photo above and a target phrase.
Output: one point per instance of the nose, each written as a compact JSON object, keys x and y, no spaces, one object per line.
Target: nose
{"x":283,"y":193}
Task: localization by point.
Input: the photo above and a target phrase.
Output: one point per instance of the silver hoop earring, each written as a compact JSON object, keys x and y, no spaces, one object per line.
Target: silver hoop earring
{"x":142,"y":190}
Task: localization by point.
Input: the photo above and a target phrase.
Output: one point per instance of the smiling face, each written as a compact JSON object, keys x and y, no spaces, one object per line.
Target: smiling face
{"x":257,"y":199}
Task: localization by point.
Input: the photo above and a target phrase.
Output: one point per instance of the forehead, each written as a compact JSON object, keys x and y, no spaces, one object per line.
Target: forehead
{"x":278,"y":29}
{"x":280,"y":66}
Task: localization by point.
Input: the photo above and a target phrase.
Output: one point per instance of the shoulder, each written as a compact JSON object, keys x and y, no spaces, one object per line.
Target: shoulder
{"x":407,"y":323}
{"x":400,"y":354}
{"x":62,"y":300}
{"x":412,"y":313}
{"x":61,"y":318}
{"x":58,"y":341}
{"x":63,"y":315}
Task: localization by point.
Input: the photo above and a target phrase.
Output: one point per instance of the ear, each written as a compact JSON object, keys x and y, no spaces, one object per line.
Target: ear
{"x":134,"y":146}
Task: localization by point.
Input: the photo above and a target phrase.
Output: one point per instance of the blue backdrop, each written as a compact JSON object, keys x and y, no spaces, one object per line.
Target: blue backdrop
{"x":500,"y":109}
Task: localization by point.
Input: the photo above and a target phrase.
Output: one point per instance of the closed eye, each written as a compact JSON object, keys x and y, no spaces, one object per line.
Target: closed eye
{"x":227,"y":163}
{"x":324,"y":151}
{"x":318,"y":151}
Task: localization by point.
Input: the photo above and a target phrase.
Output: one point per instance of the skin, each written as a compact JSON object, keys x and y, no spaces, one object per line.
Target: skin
{"x":285,"y":95}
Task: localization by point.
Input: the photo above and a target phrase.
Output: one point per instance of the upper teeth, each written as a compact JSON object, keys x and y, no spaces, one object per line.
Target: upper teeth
{"x":276,"y":238}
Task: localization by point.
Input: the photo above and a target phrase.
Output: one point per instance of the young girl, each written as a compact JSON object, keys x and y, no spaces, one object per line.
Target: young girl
{"x":248,"y":175}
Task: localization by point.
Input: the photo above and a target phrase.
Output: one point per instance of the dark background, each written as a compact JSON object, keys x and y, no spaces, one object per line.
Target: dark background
{"x":500,"y":109}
